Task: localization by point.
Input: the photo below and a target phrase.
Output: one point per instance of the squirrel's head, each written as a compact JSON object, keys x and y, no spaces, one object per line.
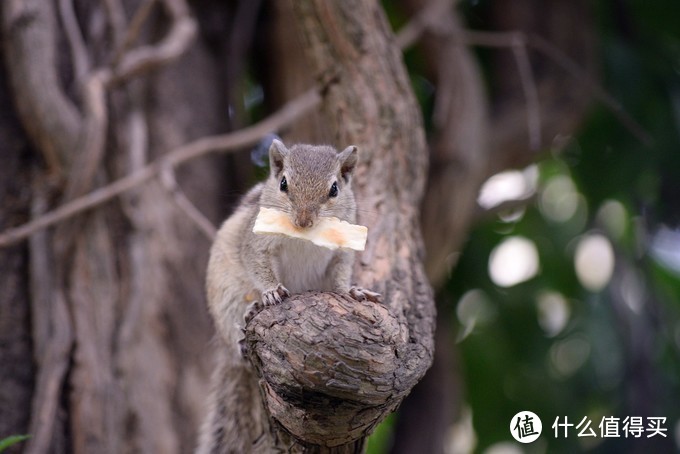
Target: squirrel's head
{"x":308,"y":181}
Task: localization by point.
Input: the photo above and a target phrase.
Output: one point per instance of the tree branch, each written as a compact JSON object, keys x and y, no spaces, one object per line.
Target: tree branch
{"x":92,"y":142}
{"x":601,"y":94}
{"x":370,"y":103}
{"x":526,"y":76}
{"x":429,"y":19}
{"x":459,"y":144}
{"x":116,"y":16}
{"x":133,"y":30}
{"x":50,"y":118}
{"x":52,"y":332}
{"x":512,"y":39}
{"x":146,"y":58}
{"x":313,"y":358}
{"x":183,"y":203}
{"x":81,"y":61}
{"x":220,"y":143}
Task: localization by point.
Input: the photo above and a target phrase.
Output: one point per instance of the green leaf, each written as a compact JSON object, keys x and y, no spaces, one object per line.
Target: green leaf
{"x":12,"y":440}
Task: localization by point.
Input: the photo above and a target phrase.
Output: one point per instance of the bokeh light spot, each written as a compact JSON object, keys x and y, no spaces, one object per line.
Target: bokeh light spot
{"x":553,"y":312}
{"x":559,"y":199}
{"x":513,"y":261}
{"x":594,"y":261}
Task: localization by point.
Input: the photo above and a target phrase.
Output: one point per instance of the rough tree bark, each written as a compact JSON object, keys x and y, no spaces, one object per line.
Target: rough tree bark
{"x":285,"y":73}
{"x":318,"y":352}
{"x":117,"y":309}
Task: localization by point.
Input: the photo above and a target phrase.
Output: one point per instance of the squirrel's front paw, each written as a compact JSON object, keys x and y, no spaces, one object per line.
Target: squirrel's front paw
{"x":361,"y":294}
{"x":275,"y":296}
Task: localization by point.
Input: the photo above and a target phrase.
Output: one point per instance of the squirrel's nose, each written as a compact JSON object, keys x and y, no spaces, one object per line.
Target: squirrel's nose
{"x":304,"y":219}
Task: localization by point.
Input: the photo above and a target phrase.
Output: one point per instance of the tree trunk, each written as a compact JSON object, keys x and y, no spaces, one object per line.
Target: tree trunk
{"x":362,"y":364}
{"x":16,"y":369}
{"x":117,"y":313}
{"x":285,"y":71}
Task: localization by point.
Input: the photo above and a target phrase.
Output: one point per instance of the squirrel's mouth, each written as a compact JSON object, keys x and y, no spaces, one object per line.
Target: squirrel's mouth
{"x":294,"y":222}
{"x":303,"y":226}
{"x":304,"y":220}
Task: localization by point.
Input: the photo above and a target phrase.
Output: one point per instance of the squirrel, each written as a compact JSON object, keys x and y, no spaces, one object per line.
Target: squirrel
{"x":247,"y":271}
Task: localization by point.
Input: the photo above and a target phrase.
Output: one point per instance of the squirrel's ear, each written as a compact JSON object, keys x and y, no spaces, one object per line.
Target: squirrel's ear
{"x":348,"y":160}
{"x":277,"y":151}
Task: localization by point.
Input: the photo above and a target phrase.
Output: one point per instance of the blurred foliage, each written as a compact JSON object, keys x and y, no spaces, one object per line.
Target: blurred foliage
{"x":618,"y":351}
{"x":6,"y":442}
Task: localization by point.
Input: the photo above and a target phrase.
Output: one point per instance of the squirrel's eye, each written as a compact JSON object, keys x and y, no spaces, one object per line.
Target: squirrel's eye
{"x":334,"y":190}
{"x":284,"y":185}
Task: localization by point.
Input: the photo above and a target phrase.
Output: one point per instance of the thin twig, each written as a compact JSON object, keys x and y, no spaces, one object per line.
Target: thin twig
{"x":290,"y":112}
{"x":491,"y":39}
{"x":74,"y":36}
{"x":507,"y":39}
{"x":605,"y":98}
{"x":426,"y":19}
{"x":526,"y":76}
{"x":430,"y":18}
{"x":146,"y":58}
{"x":137,"y":131}
{"x":134,"y":29}
{"x":116,"y":15}
{"x":183,"y":203}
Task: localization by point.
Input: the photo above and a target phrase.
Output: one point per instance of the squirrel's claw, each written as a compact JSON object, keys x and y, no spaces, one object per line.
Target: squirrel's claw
{"x":275,"y":296}
{"x":252,"y":310}
{"x":242,"y":348}
{"x":361,"y":294}
{"x":269,"y":298}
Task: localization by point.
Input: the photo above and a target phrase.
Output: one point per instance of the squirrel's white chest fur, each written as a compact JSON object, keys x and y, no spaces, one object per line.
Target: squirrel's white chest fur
{"x":302,"y":266}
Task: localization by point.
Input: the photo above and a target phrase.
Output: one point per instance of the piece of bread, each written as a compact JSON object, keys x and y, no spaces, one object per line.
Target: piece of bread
{"x":327,"y":232}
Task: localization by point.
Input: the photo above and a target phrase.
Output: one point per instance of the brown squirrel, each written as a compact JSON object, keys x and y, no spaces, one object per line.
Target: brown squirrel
{"x":247,"y":271}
